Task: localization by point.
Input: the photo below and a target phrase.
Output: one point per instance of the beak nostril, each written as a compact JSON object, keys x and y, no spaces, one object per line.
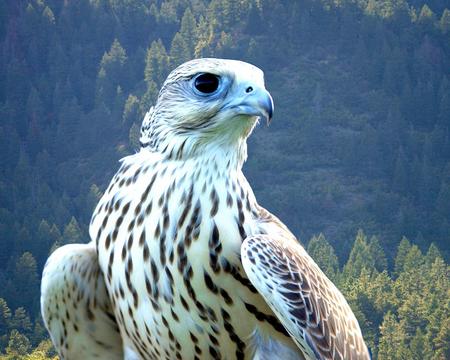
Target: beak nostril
{"x":249,"y":90}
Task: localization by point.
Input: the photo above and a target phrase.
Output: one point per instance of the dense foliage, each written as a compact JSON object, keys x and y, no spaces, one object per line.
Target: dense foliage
{"x":360,"y":139}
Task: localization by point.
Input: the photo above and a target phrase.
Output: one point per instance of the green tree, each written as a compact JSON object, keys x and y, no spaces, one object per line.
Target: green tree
{"x":179,"y":51}
{"x":26,"y":281}
{"x":39,"y":332}
{"x":72,"y":233}
{"x":433,"y":253}
{"x":93,"y":197}
{"x":442,"y":341}
{"x":420,"y":348}
{"x":188,"y":31}
{"x":134,"y":135}
{"x":444,"y":23}
{"x":426,"y":15}
{"x":55,"y":235}
{"x":18,"y":345}
{"x":44,"y":240}
{"x":377,"y":254}
{"x":323,"y":254}
{"x":360,"y":257}
{"x":112,"y":73}
{"x":413,"y":259}
{"x":44,"y":351}
{"x":21,"y":321}
{"x":156,"y":65}
{"x":402,"y":252}
{"x":392,"y":344}
{"x":5,"y":316}
{"x":131,"y":110}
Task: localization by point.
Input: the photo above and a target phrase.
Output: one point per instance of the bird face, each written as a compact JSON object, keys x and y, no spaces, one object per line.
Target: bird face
{"x":215,"y":98}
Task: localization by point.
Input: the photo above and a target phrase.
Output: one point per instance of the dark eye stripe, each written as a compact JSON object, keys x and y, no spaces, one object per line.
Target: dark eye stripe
{"x":206,"y":83}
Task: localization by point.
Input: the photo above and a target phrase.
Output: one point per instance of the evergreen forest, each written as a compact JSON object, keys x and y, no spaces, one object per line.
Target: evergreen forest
{"x":356,"y":161}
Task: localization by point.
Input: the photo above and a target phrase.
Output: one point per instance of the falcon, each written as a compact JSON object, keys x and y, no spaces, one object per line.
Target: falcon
{"x":183,"y":263}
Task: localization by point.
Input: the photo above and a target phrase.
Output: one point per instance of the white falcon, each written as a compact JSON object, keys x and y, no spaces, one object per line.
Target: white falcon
{"x":183,"y":262}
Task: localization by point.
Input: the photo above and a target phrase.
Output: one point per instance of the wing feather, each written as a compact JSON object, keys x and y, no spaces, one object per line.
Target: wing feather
{"x":75,"y":306}
{"x":311,"y":308}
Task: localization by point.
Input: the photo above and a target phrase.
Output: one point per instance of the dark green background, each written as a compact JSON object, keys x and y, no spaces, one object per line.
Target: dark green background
{"x":360,"y":139}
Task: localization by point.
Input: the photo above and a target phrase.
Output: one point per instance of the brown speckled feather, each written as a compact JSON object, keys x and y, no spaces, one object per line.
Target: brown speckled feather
{"x":76,"y":308}
{"x":307,"y":303}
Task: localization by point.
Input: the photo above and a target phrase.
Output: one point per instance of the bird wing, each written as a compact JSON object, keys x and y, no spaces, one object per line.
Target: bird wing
{"x":75,"y":305}
{"x":307,"y":303}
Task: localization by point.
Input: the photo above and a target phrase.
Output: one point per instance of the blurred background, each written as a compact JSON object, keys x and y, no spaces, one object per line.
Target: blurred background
{"x":356,"y":161}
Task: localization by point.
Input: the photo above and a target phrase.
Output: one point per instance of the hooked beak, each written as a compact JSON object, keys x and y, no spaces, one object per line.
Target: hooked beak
{"x":256,"y":102}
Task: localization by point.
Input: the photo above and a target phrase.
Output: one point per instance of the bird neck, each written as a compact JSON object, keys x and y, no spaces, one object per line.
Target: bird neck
{"x":224,"y":154}
{"x":228,"y":150}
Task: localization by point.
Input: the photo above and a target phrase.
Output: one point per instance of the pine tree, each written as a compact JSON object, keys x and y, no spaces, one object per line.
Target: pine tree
{"x":433,"y":253}
{"x":39,"y":332}
{"x":44,"y":351}
{"x":21,"y":321}
{"x":392,"y":344}
{"x":360,"y":257}
{"x":420,"y":348}
{"x":413,"y":259}
{"x":426,"y":15}
{"x":156,"y":65}
{"x":55,"y":235}
{"x":72,"y":232}
{"x":205,"y":35}
{"x":188,"y":31}
{"x":377,"y":254}
{"x":112,"y":74}
{"x":131,"y":110}
{"x":18,"y":345}
{"x":402,"y":252}
{"x":444,"y":23}
{"x":323,"y":254}
{"x":93,"y":197}
{"x":26,"y":281}
{"x":442,"y":341}
{"x":42,"y":240}
{"x":133,"y":136}
{"x":179,"y":52}
{"x":381,"y":293}
{"x":5,"y":316}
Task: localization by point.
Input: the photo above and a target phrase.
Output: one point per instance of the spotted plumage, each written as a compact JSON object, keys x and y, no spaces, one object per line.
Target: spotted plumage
{"x":183,"y":260}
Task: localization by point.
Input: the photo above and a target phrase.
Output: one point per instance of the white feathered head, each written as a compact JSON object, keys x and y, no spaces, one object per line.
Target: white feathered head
{"x":209,"y":102}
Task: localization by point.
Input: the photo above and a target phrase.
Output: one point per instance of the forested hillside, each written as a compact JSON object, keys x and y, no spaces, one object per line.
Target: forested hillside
{"x":360,"y":140}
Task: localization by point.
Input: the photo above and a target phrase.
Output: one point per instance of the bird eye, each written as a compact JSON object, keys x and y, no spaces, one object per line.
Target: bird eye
{"x":206,"y":83}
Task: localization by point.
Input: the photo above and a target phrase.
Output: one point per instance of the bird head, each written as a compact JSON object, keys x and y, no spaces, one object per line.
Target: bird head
{"x":207,"y":103}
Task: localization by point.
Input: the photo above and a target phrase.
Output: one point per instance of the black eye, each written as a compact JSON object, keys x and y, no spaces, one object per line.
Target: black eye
{"x":206,"y":83}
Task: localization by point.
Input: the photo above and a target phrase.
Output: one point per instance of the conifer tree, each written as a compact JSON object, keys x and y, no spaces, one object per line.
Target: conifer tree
{"x":5,"y":316}
{"x":360,"y":257}
{"x":72,"y":232}
{"x":112,"y":74}
{"x":26,"y":281}
{"x":21,"y":321}
{"x":188,"y":31}
{"x":392,"y":344}
{"x":18,"y":345}
{"x":402,"y":252}
{"x":444,"y":23}
{"x":156,"y":64}
{"x":179,"y":51}
{"x":377,"y":254}
{"x":323,"y":254}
